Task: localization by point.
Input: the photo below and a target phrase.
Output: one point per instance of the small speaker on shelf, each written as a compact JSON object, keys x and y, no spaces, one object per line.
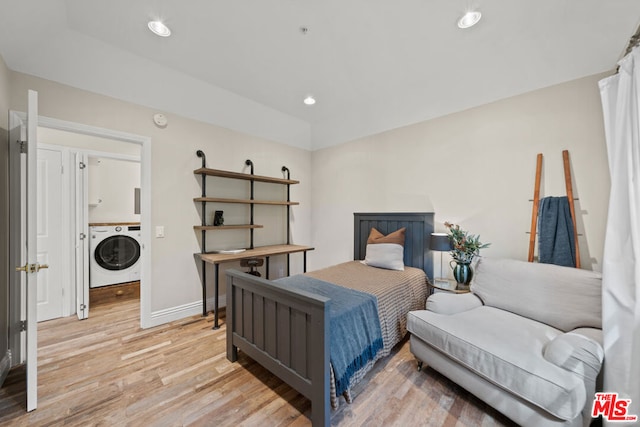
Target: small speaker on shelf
{"x":218,"y":219}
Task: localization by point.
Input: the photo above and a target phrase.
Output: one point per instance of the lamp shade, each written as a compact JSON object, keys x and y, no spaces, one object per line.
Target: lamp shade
{"x":440,"y":242}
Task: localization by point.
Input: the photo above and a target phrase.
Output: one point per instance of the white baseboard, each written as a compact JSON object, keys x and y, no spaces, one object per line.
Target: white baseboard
{"x":5,"y":365}
{"x":181,"y":311}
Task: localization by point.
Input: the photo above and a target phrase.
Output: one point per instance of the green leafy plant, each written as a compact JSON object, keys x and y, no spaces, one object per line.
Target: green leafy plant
{"x":465,"y":245}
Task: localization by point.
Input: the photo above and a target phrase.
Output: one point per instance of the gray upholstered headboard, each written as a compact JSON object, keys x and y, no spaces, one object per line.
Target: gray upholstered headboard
{"x":416,"y":247}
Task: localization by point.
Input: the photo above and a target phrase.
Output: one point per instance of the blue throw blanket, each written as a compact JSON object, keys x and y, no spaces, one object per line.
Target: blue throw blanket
{"x":556,"y":244}
{"x":355,"y":336}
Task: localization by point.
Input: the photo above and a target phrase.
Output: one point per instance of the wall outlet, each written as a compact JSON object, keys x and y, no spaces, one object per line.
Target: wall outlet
{"x":160,"y":231}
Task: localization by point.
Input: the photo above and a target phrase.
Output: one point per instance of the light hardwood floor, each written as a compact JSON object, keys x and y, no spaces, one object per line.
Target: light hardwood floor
{"x":106,"y":371}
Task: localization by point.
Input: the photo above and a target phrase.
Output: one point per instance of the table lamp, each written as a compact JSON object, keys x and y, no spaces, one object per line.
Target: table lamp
{"x":442,"y":243}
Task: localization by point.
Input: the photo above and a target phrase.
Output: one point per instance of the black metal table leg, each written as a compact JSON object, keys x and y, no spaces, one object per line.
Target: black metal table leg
{"x":215,"y":296}
{"x":304,"y":261}
{"x":204,"y":289}
{"x":267,"y":268}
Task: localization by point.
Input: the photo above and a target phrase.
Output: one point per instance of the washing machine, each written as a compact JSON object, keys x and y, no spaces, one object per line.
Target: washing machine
{"x":114,"y":254}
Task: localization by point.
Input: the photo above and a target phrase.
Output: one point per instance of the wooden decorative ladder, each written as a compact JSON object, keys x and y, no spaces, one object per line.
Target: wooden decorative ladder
{"x":536,"y":202}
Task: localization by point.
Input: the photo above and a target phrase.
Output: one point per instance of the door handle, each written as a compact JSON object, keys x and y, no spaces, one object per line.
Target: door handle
{"x":25,"y":268}
{"x":32,"y":268}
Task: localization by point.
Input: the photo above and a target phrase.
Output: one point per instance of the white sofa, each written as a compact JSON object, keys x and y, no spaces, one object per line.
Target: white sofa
{"x":527,"y":339}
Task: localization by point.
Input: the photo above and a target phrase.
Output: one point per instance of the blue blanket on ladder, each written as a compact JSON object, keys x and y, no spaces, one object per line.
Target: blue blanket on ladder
{"x":355,"y":337}
{"x":556,"y":244}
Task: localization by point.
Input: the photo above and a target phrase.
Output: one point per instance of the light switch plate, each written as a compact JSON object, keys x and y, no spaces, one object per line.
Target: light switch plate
{"x":160,"y":231}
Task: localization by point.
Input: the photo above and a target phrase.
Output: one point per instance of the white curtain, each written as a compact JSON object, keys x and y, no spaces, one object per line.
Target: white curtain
{"x":621,"y":265}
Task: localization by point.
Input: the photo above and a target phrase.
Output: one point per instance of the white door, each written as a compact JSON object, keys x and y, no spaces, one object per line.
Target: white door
{"x":50,"y":239}
{"x":23,"y":242}
{"x":81,"y":236}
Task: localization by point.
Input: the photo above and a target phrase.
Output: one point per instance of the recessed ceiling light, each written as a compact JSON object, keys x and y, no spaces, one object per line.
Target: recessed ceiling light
{"x":309,"y":100}
{"x":469,"y":19}
{"x":158,"y":28}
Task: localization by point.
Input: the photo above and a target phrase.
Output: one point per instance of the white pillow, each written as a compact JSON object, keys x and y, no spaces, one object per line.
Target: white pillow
{"x":385,"y":255}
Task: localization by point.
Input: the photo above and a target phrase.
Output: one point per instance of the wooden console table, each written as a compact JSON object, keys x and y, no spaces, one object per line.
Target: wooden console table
{"x":263,"y":251}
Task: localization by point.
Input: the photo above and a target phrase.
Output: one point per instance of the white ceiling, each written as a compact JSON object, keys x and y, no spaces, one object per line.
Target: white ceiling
{"x":373,"y":65}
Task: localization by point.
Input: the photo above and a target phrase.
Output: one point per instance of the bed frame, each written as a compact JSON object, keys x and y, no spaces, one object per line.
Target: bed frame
{"x":287,"y":330}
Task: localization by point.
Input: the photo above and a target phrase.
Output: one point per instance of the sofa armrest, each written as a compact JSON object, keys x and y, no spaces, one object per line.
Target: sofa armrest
{"x":448,"y":303}
{"x":579,"y":351}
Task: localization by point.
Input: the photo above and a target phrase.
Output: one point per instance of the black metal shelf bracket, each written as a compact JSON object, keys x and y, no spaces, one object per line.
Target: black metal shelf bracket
{"x":250,"y":163}
{"x":288,"y":172}
{"x":203,"y":156}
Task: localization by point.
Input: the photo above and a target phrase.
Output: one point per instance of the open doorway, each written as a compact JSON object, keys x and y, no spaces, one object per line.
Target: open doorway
{"x":89,"y":216}
{"x":93,"y":200}
{"x":114,"y":229}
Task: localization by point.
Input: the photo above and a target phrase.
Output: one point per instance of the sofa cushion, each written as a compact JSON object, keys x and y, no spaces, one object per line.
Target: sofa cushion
{"x":506,"y":350}
{"x":563,"y":297}
{"x":447,"y":303}
{"x":576,"y":352}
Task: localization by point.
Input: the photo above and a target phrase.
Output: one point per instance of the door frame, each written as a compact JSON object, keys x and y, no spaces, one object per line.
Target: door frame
{"x":145,"y":194}
{"x":17,"y":290}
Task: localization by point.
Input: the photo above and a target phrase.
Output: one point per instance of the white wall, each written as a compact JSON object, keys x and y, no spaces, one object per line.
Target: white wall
{"x":112,"y":183}
{"x":111,"y":180}
{"x":475,"y":168}
{"x":175,"y":279}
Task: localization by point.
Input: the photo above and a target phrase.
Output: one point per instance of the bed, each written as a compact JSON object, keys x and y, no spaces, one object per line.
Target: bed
{"x":285,"y":327}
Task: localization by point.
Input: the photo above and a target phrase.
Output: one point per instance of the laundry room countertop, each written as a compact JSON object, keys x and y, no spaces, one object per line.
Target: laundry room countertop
{"x":107,"y":224}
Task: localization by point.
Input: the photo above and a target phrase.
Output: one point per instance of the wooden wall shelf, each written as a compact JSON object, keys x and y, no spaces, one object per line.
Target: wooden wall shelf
{"x":245,"y":201}
{"x":245,"y":176}
{"x":261,"y":251}
{"x":226,"y":227}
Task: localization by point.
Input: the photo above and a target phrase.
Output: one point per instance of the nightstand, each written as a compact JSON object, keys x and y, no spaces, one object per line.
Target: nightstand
{"x":443,"y":285}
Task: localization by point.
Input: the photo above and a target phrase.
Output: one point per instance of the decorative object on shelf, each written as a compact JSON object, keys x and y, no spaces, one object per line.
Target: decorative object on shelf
{"x":440,"y":242}
{"x":218,"y":219}
{"x":228,"y":251}
{"x":465,"y":247}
